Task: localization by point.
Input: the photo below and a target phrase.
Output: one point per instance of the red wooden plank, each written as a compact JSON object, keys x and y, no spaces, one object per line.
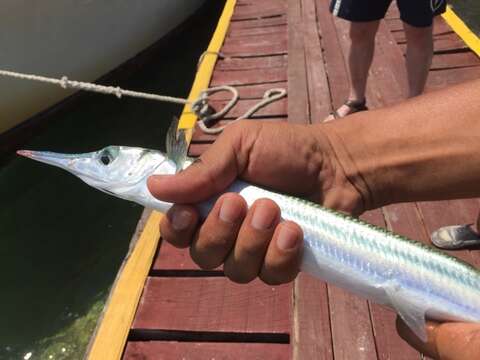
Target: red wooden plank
{"x":455,"y":60}
{"x":352,"y":333}
{"x":334,"y":59}
{"x":213,"y":304}
{"x":442,"y":78}
{"x":200,"y":137}
{"x":257,"y":40}
{"x":253,"y":91}
{"x":297,"y":73}
{"x":262,"y":23}
{"x":248,"y":49}
{"x":276,"y":109}
{"x":278,"y":29}
{"x":259,"y":13}
{"x":264,"y":62}
{"x":312,"y":337}
{"x":254,"y":76}
{"x":166,"y":350}
{"x":169,"y":257}
{"x":318,"y":88}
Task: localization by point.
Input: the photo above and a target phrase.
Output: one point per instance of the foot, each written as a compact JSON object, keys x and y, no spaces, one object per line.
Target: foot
{"x":350,"y":107}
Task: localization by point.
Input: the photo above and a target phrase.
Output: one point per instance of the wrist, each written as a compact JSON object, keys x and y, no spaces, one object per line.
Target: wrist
{"x":339,"y":183}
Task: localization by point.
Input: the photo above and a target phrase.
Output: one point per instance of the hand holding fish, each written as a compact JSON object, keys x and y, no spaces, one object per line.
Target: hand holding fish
{"x":252,"y":242}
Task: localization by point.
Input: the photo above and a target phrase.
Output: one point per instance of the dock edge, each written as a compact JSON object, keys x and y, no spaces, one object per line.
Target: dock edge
{"x":112,"y":333}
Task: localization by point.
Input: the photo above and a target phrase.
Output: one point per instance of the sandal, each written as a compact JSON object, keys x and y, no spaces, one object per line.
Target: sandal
{"x":354,"y":105}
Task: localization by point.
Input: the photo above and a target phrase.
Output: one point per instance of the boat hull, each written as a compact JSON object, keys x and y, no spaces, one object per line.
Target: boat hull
{"x":80,"y":39}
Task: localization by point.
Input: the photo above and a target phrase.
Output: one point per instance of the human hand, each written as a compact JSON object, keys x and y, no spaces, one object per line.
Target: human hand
{"x":452,"y":341}
{"x":253,"y":242}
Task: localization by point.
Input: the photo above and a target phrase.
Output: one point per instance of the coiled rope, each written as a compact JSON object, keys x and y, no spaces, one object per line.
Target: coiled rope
{"x":200,"y":106}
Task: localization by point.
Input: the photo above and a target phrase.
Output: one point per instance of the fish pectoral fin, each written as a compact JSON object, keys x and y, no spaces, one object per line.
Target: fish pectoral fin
{"x":411,"y":309}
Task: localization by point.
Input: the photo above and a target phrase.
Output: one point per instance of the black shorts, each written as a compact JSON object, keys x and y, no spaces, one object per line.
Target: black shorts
{"x":419,"y":13}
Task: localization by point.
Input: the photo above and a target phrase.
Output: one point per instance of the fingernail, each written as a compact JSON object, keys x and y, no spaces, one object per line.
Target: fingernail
{"x":181,"y":219}
{"x":229,"y":211}
{"x":263,"y":217}
{"x":287,"y":238}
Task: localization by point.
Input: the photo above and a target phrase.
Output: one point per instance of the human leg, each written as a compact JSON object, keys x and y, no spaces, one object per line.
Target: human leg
{"x":417,"y":20}
{"x":364,"y":21}
{"x":419,"y":57}
{"x":359,"y":60}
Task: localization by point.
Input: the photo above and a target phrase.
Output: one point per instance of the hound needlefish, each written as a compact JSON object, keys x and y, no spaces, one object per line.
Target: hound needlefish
{"x":417,"y":281}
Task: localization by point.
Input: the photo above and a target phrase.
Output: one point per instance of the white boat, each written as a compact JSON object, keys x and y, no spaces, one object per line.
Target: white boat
{"x":80,"y":39}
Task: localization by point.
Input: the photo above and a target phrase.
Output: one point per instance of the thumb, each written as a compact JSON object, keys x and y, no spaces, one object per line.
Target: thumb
{"x":211,"y":174}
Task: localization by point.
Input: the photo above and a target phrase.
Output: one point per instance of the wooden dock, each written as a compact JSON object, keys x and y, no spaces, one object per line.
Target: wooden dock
{"x":187,"y":313}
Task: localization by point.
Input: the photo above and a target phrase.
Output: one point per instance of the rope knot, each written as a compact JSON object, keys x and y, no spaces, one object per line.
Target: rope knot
{"x":64,"y":82}
{"x":118,"y":92}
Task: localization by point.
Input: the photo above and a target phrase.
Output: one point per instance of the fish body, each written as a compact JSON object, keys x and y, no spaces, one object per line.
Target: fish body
{"x":415,"y":280}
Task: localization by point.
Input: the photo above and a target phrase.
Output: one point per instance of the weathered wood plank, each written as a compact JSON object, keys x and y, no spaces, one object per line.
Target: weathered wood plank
{"x":253,"y":91}
{"x":251,"y":63}
{"x":275,"y":109}
{"x":214,"y":304}
{"x":165,"y":350}
{"x":334,"y":60}
{"x":251,"y":76}
{"x":260,"y":23}
{"x":297,"y":74}
{"x":258,"y":49}
{"x":200,"y":137}
{"x":312,"y":334}
{"x":318,"y":88}
{"x":278,"y":29}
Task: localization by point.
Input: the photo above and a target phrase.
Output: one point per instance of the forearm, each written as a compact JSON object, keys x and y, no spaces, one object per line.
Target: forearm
{"x":427,"y":148}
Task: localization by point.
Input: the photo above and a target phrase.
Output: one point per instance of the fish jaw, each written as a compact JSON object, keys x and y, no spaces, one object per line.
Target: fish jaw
{"x":63,"y":161}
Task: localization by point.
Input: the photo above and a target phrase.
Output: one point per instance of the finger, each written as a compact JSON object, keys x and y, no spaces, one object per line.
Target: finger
{"x":219,"y":231}
{"x":179,"y":225}
{"x":245,"y":261}
{"x":455,"y":341}
{"x":284,"y":254}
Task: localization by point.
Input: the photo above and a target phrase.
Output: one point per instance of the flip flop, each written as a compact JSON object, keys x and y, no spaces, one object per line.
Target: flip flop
{"x":355,"y":106}
{"x":455,"y":237}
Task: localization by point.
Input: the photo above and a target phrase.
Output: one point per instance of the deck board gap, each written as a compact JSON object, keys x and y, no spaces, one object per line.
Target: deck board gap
{"x":207,"y":336}
{"x":186,"y":273}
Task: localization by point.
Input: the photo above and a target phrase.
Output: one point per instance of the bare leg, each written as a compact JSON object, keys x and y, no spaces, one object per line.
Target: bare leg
{"x":360,"y":56}
{"x":419,"y":57}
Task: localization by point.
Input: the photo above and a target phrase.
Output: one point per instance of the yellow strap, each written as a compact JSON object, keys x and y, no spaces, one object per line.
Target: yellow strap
{"x":462,"y":30}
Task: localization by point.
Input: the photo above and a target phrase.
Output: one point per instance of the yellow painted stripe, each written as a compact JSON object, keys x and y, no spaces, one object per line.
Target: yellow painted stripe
{"x":205,"y":71}
{"x":467,"y":35}
{"x":117,"y":320}
{"x":112,"y":333}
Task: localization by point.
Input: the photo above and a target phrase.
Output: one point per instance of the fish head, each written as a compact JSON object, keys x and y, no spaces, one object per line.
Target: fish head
{"x":113,"y":169}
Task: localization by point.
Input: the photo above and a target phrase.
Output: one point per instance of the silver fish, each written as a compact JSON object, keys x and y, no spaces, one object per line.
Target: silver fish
{"x":417,"y":281}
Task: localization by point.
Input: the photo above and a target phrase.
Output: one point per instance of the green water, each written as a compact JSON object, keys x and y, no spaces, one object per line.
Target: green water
{"x":63,"y":242}
{"x":469,"y":12}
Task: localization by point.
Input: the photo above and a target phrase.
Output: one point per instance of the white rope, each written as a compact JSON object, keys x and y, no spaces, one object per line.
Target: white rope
{"x":199,"y":107}
{"x":269,"y":97}
{"x":78,"y":85}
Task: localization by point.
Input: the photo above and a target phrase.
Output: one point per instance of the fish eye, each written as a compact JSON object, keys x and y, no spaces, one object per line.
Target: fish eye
{"x":106,"y":158}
